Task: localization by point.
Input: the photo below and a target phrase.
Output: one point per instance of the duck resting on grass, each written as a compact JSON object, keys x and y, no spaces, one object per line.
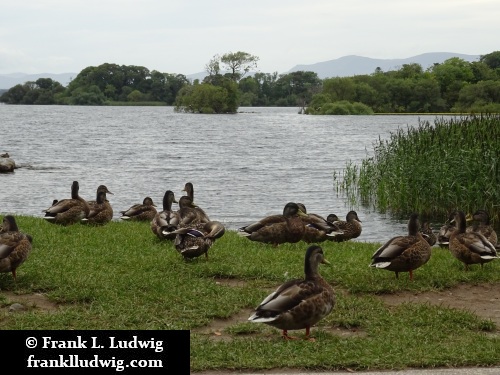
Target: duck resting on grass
{"x":277,"y":229}
{"x":403,"y":253}
{"x":101,"y":211}
{"x":70,"y":210}
{"x":144,"y":211}
{"x":301,"y":303}
{"x":351,"y":227}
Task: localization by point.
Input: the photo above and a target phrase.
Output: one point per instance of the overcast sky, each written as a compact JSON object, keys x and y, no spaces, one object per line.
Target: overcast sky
{"x":61,"y":36}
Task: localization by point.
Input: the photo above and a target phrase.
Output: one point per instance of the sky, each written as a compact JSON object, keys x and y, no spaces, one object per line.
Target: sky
{"x":181,"y":37}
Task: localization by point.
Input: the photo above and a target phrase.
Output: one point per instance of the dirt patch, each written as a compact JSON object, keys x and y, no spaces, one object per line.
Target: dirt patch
{"x":26,"y":302}
{"x":482,"y":300}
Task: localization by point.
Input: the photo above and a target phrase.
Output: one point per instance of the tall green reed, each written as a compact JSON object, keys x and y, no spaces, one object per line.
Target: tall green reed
{"x":432,"y":168}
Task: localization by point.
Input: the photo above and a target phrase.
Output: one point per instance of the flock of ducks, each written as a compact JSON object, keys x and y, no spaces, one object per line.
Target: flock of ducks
{"x":296,"y":304}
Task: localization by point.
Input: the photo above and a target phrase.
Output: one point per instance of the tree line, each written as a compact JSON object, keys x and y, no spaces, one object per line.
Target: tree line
{"x":454,"y":86}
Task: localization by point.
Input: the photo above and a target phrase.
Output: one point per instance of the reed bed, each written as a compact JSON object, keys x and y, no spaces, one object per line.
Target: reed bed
{"x":431,"y":169}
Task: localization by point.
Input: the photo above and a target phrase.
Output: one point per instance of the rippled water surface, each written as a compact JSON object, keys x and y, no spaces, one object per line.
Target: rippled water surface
{"x":243,"y":166}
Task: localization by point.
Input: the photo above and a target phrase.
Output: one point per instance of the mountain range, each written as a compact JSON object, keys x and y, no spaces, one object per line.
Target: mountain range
{"x":346,"y":66}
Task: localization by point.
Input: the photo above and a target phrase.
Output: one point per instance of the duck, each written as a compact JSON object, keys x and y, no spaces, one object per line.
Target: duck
{"x":166,"y":221}
{"x":68,"y":211}
{"x":443,"y":236}
{"x":470,"y":247}
{"x":317,"y":228}
{"x":483,"y":225}
{"x":277,"y":229}
{"x":403,"y":253}
{"x":188,"y":212}
{"x":194,"y":240}
{"x":101,"y":211}
{"x":300,"y":303}
{"x":428,"y":233}
{"x":15,"y":246}
{"x":144,"y":211}
{"x":201,"y":215}
{"x":351,"y":227}
{"x":7,"y":164}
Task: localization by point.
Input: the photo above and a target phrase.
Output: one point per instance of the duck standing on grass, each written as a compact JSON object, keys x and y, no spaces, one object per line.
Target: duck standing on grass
{"x":277,"y":229}
{"x":403,"y":253}
{"x":144,"y":211}
{"x":68,"y":211}
{"x":300,"y":303}
{"x":482,"y":225}
{"x":101,"y":211}
{"x":15,"y":246}
{"x":470,"y":247}
{"x":194,"y":240}
{"x":166,"y":221}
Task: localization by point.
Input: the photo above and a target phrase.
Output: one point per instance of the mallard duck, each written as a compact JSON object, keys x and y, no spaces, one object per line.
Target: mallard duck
{"x":68,"y":211}
{"x":482,"y":225}
{"x":403,"y":253}
{"x":277,"y":229}
{"x":6,"y":163}
{"x":194,"y":240}
{"x":144,"y":211}
{"x":470,"y":247}
{"x":428,"y":233}
{"x":189,"y":213}
{"x":351,"y":227}
{"x":317,"y":228}
{"x":443,"y":237}
{"x":444,"y":234}
{"x":101,"y":211}
{"x":166,"y":221}
{"x":15,"y":246}
{"x":300,"y":303}
{"x":201,"y":215}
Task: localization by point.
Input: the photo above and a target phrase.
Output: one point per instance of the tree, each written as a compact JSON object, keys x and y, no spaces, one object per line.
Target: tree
{"x":491,"y":59}
{"x":239,"y":63}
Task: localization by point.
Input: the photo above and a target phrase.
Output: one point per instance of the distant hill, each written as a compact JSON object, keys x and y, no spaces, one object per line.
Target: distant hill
{"x":346,"y":66}
{"x":349,"y":66}
{"x":10,"y":80}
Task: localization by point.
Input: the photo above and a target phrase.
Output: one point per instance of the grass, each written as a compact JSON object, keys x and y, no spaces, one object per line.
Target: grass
{"x":120,"y":276}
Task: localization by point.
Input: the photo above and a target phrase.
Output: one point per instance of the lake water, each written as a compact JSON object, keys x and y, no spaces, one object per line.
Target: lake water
{"x":243,"y":166}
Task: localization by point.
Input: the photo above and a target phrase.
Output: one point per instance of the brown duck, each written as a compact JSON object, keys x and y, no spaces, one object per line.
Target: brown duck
{"x":194,"y":240}
{"x":101,"y":211}
{"x":144,"y":211}
{"x":483,"y":225}
{"x":470,"y":247}
{"x":277,"y":229}
{"x":198,"y":215}
{"x":300,"y":303}
{"x":350,"y":227}
{"x":166,"y":221}
{"x":428,"y":233}
{"x":403,"y":253}
{"x":317,"y":228}
{"x":68,"y":211}
{"x":15,"y":246}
